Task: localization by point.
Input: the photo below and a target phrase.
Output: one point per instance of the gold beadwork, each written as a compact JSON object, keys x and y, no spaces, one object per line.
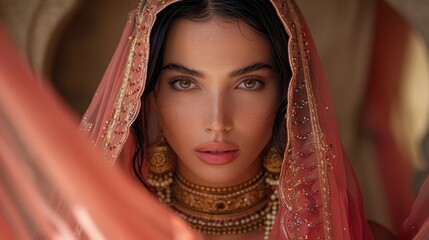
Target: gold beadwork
{"x":273,"y":161}
{"x":161,"y":157}
{"x":219,"y":211}
{"x":161,"y":167}
{"x":217,"y":201}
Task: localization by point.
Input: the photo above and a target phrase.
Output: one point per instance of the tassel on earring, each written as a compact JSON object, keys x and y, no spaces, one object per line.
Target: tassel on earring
{"x":272,"y":163}
{"x":161,"y":167}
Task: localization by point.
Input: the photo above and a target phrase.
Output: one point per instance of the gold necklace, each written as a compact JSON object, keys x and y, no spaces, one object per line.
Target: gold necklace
{"x":217,"y":211}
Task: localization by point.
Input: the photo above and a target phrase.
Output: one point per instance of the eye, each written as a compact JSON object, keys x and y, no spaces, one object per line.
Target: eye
{"x":183,"y":84}
{"x":251,"y":84}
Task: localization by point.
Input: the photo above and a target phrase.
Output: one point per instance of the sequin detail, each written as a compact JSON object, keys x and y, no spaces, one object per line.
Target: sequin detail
{"x":305,"y":187}
{"x":127,"y":103}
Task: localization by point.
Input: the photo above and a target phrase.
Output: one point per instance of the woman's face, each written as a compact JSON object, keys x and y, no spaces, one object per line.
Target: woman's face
{"x":217,"y":96}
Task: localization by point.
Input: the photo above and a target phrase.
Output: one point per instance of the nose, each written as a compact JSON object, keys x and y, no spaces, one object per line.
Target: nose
{"x":219,"y":118}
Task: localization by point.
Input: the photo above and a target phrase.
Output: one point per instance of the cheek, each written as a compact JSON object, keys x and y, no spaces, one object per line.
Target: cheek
{"x":177,"y":116}
{"x":183,"y":114}
{"x":255,"y":119}
{"x":258,"y":110}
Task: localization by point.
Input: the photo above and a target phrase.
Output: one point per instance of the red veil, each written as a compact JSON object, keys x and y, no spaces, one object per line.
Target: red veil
{"x":45,"y":159}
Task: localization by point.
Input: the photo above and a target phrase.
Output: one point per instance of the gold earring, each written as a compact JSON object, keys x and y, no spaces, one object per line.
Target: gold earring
{"x":273,"y":161}
{"x":273,"y":164}
{"x":161,"y":167}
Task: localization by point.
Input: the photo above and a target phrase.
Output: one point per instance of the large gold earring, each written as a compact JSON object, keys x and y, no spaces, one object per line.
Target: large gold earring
{"x":161,"y":167}
{"x":272,"y":163}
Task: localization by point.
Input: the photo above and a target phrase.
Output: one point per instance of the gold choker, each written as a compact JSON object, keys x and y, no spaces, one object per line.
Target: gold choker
{"x":232,"y":210}
{"x":218,"y":211}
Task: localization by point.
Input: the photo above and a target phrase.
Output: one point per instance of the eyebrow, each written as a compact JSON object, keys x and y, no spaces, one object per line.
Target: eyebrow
{"x":182,"y":69}
{"x":251,"y":68}
{"x":185,"y":70}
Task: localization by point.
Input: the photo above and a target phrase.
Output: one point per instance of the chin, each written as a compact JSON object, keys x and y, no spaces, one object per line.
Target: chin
{"x":231,"y":174}
{"x":221,"y":176}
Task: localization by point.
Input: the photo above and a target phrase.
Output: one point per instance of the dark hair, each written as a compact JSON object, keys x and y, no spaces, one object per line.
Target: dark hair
{"x":259,"y":14}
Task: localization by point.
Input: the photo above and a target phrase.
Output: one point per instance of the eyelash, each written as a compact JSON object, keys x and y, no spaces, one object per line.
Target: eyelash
{"x":175,"y":84}
{"x":256,"y":81}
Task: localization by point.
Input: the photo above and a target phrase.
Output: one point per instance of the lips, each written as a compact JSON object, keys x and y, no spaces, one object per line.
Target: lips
{"x":217,"y":153}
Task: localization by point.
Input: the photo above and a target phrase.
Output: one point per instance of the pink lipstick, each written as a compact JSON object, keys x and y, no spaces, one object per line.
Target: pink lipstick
{"x":217,"y":153}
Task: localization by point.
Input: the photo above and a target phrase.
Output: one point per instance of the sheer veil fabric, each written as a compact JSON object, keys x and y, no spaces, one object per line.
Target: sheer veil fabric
{"x":45,"y":159}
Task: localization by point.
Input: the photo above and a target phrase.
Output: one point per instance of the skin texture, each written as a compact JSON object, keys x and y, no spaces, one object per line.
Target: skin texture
{"x":211,"y":104}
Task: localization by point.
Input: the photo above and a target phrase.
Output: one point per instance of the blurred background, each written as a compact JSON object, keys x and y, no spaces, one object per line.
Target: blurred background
{"x":374,"y":54}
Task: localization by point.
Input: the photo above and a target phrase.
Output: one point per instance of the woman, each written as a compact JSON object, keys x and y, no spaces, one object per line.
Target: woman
{"x":230,"y":69}
{"x":232,"y":124}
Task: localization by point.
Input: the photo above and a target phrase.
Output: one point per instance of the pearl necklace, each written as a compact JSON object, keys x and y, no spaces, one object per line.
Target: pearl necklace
{"x":228,"y":210}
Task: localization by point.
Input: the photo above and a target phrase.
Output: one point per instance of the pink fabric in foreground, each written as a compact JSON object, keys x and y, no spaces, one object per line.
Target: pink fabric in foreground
{"x":416,"y":226}
{"x":51,"y":176}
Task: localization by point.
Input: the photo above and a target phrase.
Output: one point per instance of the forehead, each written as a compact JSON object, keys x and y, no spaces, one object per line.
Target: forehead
{"x":217,"y":41}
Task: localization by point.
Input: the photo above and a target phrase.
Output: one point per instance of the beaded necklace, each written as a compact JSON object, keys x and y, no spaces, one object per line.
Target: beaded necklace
{"x":227,"y":210}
